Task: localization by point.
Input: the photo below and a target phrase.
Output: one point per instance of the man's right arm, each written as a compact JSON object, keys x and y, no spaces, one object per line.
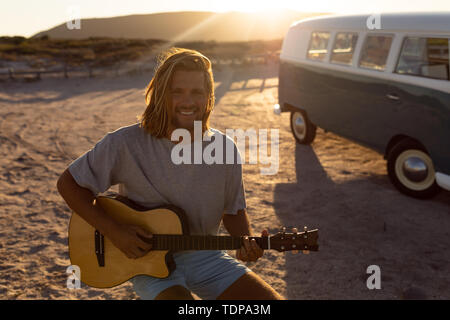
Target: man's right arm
{"x":81,"y":200}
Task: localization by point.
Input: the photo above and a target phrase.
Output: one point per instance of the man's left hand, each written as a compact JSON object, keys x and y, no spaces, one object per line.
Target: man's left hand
{"x":250,"y":251}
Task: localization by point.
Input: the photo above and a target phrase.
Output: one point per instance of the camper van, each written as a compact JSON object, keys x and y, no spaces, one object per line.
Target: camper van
{"x":379,"y":80}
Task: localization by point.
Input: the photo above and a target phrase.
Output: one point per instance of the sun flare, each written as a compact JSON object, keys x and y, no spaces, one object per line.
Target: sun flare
{"x":263,"y":7}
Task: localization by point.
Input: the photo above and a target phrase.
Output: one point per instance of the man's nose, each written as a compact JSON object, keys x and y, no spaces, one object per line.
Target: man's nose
{"x":187,"y":99}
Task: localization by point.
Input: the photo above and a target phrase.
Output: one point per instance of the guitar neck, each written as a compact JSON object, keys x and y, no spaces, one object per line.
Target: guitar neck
{"x":182,"y":242}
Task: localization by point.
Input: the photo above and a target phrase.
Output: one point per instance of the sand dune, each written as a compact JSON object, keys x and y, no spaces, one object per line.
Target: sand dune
{"x":184,"y":26}
{"x":334,"y":185}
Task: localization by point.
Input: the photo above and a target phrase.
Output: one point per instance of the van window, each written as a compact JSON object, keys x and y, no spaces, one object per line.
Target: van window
{"x":425,"y":57}
{"x":375,"y":52}
{"x":318,"y":45}
{"x":344,"y":44}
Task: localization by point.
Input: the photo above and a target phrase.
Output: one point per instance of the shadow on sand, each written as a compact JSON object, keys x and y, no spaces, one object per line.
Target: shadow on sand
{"x":108,"y":84}
{"x":360,"y":223}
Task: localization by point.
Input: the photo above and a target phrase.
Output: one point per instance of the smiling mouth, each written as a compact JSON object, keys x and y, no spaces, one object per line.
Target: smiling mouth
{"x":187,"y":112}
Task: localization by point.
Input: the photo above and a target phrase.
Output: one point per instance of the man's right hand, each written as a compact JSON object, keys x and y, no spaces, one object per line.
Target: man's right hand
{"x":128,"y":238}
{"x":81,"y":200}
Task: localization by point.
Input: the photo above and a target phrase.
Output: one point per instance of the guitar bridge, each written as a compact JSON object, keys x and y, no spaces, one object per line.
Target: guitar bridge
{"x":100,"y":248}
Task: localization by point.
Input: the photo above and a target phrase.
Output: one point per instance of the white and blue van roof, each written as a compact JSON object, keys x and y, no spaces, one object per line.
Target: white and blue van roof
{"x":398,"y":25}
{"x":436,"y":22}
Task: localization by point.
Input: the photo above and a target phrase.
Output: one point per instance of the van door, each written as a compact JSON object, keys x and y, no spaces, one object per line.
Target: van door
{"x":358,"y":98}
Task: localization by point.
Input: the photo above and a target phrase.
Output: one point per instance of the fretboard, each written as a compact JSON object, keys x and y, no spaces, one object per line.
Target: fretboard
{"x":181,"y":242}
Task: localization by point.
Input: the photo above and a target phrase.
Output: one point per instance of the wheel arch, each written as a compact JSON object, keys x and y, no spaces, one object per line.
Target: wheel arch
{"x":400,"y":137}
{"x":289,"y":107}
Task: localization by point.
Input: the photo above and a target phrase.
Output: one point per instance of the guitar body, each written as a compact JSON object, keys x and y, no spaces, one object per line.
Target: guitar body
{"x":118,"y":268}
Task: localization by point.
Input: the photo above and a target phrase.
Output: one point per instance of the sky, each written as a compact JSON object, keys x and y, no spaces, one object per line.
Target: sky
{"x":28,"y":17}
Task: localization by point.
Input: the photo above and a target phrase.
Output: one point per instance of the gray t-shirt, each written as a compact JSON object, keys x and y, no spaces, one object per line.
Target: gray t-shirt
{"x":142,"y":166}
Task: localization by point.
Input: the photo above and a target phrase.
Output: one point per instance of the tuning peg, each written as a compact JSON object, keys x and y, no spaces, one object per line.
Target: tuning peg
{"x":305,"y":229}
{"x":294,"y":251}
{"x":283,"y":232}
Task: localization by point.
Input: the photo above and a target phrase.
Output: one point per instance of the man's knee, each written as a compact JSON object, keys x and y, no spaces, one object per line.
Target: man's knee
{"x":175,"y":293}
{"x":250,"y":287}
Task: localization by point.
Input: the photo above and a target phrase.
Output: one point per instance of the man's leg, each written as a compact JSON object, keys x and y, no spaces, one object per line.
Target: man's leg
{"x":250,"y":287}
{"x":175,"y":293}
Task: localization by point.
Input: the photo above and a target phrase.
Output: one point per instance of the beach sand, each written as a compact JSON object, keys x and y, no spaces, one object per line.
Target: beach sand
{"x":334,"y":185}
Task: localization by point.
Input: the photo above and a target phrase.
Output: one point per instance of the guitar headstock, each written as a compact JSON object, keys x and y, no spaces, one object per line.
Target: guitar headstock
{"x":294,"y":241}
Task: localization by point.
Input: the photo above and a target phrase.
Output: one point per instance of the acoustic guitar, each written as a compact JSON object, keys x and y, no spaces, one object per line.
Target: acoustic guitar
{"x":102,"y":265}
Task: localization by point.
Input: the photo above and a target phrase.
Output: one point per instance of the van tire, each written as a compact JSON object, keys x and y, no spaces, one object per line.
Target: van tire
{"x":302,"y":128}
{"x":425,"y":186}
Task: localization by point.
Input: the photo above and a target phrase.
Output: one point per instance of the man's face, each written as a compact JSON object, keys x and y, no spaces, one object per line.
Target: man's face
{"x":189,"y":98}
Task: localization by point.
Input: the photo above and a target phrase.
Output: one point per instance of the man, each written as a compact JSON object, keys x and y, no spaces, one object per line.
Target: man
{"x":138,"y":158}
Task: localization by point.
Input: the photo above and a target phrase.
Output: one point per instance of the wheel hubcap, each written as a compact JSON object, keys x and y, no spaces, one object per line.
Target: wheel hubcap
{"x":415,"y":169}
{"x":299,"y":125}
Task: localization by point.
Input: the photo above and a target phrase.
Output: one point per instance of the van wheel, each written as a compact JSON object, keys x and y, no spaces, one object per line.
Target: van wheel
{"x":411,"y":170}
{"x":304,"y":131}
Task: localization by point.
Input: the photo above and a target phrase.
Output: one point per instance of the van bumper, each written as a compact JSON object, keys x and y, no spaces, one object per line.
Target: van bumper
{"x":443,"y":180}
{"x":285,"y":107}
{"x":277,"y":109}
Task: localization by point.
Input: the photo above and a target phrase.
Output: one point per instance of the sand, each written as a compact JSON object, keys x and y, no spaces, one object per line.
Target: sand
{"x":334,"y":185}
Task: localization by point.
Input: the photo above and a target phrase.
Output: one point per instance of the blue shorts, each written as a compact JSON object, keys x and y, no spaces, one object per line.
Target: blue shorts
{"x":206,"y":273}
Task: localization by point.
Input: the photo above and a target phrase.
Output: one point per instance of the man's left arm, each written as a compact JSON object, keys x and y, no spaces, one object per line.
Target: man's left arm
{"x":239,"y":225}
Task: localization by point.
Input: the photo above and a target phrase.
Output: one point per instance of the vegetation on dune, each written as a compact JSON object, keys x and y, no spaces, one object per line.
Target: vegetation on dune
{"x":106,"y":52}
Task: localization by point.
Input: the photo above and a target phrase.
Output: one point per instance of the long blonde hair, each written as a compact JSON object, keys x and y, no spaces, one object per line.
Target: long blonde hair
{"x":157,"y":116}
